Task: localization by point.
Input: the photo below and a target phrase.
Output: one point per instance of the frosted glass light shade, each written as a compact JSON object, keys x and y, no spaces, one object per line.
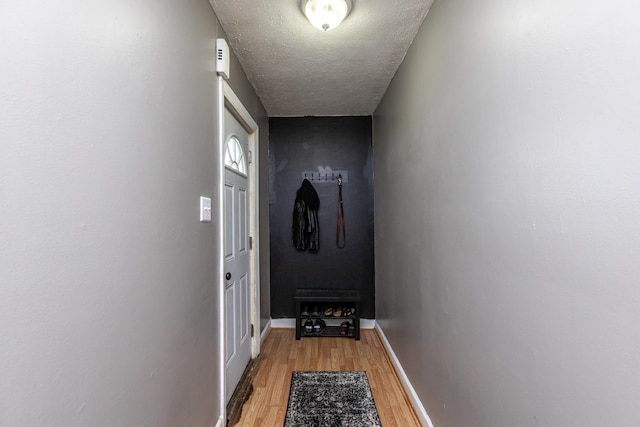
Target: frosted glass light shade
{"x":326,"y":14}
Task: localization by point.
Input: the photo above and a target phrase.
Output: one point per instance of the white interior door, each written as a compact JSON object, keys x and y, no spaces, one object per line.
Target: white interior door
{"x":236,"y":253}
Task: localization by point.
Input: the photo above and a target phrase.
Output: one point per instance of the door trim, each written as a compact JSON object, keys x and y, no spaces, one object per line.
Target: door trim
{"x":227,"y":98}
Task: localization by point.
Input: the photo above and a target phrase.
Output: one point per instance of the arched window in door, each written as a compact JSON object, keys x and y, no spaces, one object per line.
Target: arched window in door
{"x":234,"y":157}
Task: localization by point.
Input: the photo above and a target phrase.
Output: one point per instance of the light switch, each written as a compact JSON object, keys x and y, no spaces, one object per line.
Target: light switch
{"x":205,"y":209}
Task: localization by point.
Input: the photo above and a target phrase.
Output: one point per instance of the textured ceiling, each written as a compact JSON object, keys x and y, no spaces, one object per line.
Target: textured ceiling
{"x":298,"y":70}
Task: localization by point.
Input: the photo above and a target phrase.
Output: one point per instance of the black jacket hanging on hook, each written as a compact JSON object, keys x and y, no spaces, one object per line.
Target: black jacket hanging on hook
{"x":305,"y":229}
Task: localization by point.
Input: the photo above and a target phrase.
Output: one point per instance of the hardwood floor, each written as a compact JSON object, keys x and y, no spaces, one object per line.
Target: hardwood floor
{"x":282,"y":354}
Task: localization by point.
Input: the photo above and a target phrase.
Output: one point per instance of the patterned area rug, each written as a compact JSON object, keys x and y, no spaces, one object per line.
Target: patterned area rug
{"x":331,"y":399}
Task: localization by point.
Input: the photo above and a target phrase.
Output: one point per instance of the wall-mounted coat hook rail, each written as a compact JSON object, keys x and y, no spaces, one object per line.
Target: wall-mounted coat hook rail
{"x":321,"y":177}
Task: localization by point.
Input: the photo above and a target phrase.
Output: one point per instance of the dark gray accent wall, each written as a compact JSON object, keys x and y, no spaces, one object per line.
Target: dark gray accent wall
{"x":303,"y":144}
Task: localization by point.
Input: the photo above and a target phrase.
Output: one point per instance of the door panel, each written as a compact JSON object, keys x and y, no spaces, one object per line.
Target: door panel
{"x":244,"y":307}
{"x":229,"y":223}
{"x":231,"y":337}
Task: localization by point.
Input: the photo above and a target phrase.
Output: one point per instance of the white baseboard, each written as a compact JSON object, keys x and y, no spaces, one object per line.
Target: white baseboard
{"x":367,"y":323}
{"x":283,"y":323}
{"x":421,"y":413}
{"x":291,"y":323}
{"x":265,"y":331}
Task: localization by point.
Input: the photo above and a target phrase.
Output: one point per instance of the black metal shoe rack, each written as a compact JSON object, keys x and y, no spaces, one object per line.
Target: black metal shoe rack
{"x":312,"y":305}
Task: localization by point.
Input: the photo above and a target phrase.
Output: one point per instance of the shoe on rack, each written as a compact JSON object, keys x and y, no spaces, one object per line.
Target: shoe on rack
{"x":316,"y":311}
{"x":305,"y":310}
{"x":319,"y":326}
{"x":308,"y":326}
{"x":344,"y":328}
{"x":351,"y":330}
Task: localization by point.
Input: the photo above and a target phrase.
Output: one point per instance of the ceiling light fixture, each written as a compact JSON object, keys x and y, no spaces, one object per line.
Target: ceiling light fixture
{"x":326,"y":14}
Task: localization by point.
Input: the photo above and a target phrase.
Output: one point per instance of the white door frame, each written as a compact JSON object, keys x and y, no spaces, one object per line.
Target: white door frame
{"x":227,"y":98}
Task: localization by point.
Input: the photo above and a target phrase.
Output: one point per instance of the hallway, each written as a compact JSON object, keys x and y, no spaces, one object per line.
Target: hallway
{"x":282,"y":354}
{"x":505,"y":243}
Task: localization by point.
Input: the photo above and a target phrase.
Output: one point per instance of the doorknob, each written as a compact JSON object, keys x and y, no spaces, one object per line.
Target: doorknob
{"x":228,"y":276}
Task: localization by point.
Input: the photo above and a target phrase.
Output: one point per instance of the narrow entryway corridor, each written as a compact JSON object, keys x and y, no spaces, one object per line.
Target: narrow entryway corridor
{"x":491,"y":200}
{"x":282,"y":354}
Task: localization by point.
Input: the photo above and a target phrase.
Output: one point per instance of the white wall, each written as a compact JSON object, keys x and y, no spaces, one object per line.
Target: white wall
{"x":108,"y":307}
{"x":507,"y":213}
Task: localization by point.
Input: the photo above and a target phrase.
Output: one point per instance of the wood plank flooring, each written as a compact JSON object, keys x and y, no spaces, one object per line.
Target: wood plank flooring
{"x":282,"y":354}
